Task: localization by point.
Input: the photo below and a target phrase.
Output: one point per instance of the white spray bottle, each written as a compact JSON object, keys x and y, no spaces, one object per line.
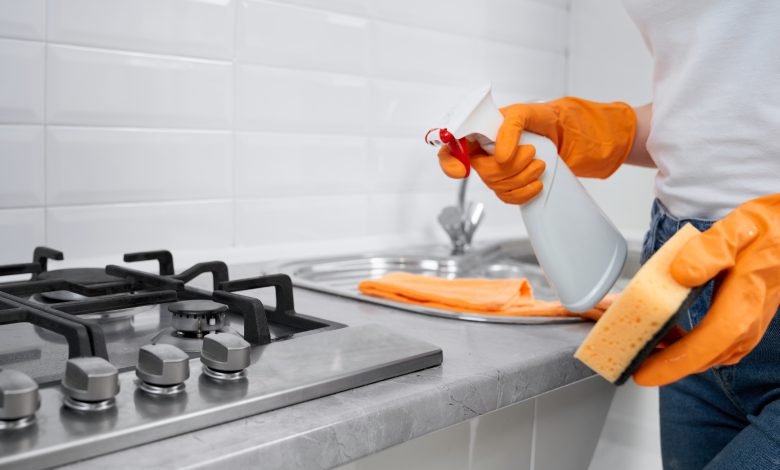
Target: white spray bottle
{"x":579,"y":249}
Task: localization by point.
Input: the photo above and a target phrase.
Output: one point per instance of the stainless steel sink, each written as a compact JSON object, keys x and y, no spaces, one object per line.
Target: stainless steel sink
{"x":506,"y":259}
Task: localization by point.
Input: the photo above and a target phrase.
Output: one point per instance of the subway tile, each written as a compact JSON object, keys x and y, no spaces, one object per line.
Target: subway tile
{"x":183,"y":27}
{"x":109,"y":229}
{"x":275,"y":165}
{"x":538,"y":74}
{"x":416,"y":54}
{"x":525,"y":23}
{"x":103,"y":88}
{"x":286,"y":35}
{"x":21,"y":230}
{"x":538,"y":25}
{"x":97,"y":166}
{"x":300,"y":219}
{"x":22,"y":166}
{"x":455,"y":16}
{"x":271,"y":99}
{"x":355,"y":7}
{"x":408,"y":213}
{"x":558,"y":3}
{"x":22,"y":72}
{"x":402,"y":165}
{"x":23,"y":18}
{"x":411,"y":109}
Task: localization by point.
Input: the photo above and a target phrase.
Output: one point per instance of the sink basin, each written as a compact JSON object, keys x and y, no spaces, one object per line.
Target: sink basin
{"x":508,"y":259}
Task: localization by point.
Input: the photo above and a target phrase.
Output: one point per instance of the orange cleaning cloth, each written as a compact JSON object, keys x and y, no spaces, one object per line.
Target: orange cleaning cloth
{"x":504,"y":297}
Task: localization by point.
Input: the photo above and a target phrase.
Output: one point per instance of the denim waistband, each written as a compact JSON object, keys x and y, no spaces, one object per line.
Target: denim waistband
{"x":664,"y":225}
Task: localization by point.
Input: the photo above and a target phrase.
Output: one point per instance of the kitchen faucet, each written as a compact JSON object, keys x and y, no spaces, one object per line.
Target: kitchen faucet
{"x":461,"y":221}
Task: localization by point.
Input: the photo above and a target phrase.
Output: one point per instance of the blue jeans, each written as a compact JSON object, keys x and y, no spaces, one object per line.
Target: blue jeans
{"x":727,"y":417}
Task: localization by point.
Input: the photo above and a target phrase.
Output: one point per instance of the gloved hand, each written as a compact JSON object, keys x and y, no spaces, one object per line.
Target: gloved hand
{"x":593,"y":139}
{"x":744,"y":248}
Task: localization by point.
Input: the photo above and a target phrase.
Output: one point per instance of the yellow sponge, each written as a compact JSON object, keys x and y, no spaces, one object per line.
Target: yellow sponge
{"x":643,"y":313}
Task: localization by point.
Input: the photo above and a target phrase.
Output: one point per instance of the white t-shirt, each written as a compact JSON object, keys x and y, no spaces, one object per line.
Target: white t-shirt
{"x":715,"y":133}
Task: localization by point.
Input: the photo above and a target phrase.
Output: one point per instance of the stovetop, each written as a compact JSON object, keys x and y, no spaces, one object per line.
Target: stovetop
{"x":97,"y":359}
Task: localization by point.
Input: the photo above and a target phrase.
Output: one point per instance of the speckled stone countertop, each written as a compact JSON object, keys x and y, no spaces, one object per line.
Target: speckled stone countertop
{"x":486,"y":367}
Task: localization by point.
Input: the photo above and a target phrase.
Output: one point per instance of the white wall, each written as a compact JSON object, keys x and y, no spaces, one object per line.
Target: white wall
{"x":608,"y":61}
{"x":200,"y":124}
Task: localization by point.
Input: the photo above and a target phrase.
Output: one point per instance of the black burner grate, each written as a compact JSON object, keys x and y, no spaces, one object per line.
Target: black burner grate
{"x":118,"y":287}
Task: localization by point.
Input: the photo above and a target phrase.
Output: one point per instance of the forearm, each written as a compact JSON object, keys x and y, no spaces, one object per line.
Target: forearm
{"x":639,"y":155}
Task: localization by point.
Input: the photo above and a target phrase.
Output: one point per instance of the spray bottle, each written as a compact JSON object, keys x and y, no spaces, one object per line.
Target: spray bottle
{"x":579,"y":249}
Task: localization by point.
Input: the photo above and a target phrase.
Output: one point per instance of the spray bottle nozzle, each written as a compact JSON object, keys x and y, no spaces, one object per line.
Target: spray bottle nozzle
{"x":459,"y":147}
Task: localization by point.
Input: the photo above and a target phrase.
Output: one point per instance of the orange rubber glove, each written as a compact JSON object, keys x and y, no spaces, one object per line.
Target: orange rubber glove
{"x":593,"y":139}
{"x":744,"y":248}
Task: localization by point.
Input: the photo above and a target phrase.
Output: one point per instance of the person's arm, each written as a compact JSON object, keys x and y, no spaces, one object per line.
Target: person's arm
{"x":639,"y":155}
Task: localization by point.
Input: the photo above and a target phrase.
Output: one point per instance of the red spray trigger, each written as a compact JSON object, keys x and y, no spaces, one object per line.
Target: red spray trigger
{"x":458,"y":147}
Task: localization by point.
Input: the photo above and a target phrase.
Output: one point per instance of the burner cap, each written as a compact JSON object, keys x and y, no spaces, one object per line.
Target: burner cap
{"x":197,"y":307}
{"x":197,"y":317}
{"x":56,"y":296}
{"x":83,"y":276}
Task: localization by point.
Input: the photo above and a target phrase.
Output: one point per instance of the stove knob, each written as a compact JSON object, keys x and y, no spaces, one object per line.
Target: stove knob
{"x":225,"y":356}
{"x":19,"y":399}
{"x":162,"y":368}
{"x":90,"y":384}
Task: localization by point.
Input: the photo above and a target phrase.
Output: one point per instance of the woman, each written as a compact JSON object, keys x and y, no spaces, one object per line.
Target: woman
{"x":713,"y":133}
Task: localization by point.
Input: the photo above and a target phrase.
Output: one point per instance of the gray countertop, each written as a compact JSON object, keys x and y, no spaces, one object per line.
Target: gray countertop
{"x":486,"y":367}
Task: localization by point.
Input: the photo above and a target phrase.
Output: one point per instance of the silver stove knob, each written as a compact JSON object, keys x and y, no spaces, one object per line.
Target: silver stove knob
{"x":162,"y":368}
{"x":90,"y":384}
{"x":19,"y":399}
{"x":225,"y":356}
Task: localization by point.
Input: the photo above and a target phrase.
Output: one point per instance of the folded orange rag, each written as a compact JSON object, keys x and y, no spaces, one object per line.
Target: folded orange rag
{"x":504,"y":297}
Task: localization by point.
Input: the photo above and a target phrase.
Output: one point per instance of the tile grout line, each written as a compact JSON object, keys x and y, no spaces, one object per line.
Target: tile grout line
{"x":45,"y":124}
{"x":234,"y":127}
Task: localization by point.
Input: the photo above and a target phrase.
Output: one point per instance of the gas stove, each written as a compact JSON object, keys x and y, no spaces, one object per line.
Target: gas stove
{"x":93,"y":360}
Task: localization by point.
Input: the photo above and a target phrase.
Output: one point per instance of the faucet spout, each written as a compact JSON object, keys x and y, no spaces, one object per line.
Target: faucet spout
{"x":461,"y":221}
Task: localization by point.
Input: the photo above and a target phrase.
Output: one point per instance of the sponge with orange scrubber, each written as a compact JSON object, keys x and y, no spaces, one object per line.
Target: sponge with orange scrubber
{"x":641,"y":316}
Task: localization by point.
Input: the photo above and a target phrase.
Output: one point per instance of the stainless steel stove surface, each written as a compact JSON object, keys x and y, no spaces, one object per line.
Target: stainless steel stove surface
{"x":94,"y":360}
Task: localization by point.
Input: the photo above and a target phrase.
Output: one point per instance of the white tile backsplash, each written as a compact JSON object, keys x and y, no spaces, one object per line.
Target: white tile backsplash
{"x":82,"y":231}
{"x":98,"y":166}
{"x":529,"y":23}
{"x":408,"y":213}
{"x":184,"y":27}
{"x":285,"y":35}
{"x":21,"y":149}
{"x":21,"y":230}
{"x":21,"y":81}
{"x":408,"y":109}
{"x":356,"y":7}
{"x":536,"y":24}
{"x":538,"y":74}
{"x":123,"y":123}
{"x":274,"y":165}
{"x":406,"y":164}
{"x":23,"y":19}
{"x":302,"y":218}
{"x":416,"y":54}
{"x":108,"y":88}
{"x":288,"y":100}
{"x":454,"y":17}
